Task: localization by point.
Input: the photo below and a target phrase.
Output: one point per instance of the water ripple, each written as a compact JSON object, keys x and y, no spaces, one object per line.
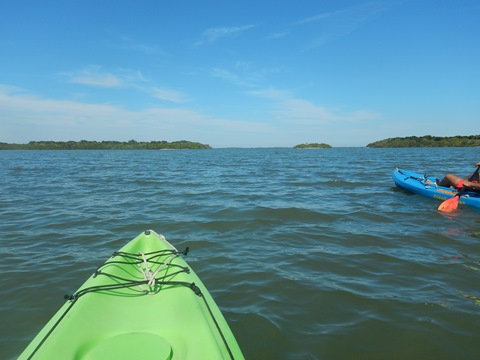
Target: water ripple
{"x":310,"y":254}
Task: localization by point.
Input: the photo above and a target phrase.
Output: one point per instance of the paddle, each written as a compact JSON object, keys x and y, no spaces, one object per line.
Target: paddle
{"x":451,"y":204}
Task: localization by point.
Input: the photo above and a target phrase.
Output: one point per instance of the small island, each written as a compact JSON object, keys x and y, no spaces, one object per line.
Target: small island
{"x":104,"y":145}
{"x":312,"y":146}
{"x":427,"y":141}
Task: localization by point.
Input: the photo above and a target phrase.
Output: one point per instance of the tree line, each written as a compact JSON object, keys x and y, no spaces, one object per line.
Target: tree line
{"x":312,"y":146}
{"x":104,"y":145}
{"x":427,"y":141}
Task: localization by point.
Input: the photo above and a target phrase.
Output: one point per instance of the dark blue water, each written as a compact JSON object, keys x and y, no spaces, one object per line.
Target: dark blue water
{"x":310,"y":254}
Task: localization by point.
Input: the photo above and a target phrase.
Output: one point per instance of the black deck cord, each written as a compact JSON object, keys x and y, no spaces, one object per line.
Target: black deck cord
{"x":50,"y":331}
{"x":141,"y":282}
{"x":191,"y":286}
{"x":197,"y":291}
{"x":126,"y":285}
{"x":99,"y":269}
{"x":412,"y":177}
{"x":73,"y":298}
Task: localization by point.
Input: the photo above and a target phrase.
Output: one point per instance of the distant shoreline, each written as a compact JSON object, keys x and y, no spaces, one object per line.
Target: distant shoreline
{"x":105,"y":145}
{"x":312,"y":146}
{"x":398,"y":142}
{"x":427,"y":141}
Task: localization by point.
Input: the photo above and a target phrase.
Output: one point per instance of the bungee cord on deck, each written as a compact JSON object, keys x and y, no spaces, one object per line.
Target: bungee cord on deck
{"x":149,"y":283}
{"x":145,"y":263}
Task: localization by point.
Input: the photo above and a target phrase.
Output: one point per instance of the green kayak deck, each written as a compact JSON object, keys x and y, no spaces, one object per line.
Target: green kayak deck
{"x":145,"y":302}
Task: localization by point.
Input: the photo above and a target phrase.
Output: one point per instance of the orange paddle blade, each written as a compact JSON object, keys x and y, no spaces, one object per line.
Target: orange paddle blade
{"x":449,"y":204}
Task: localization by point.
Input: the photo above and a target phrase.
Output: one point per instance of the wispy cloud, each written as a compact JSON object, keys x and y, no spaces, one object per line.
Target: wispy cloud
{"x":244,"y":74}
{"x":300,"y":111}
{"x":334,"y":24}
{"x":319,"y":17}
{"x":169,"y":95}
{"x":277,"y":35}
{"x":211,"y":35}
{"x":231,"y":77}
{"x":271,"y":93}
{"x":290,"y":109}
{"x":29,"y":117}
{"x":94,"y":75}
{"x":128,"y":43}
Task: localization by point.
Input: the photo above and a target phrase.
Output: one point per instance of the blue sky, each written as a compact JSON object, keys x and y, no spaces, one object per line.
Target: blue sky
{"x":239,"y":73}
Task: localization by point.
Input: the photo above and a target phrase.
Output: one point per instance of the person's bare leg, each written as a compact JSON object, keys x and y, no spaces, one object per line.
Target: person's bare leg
{"x":449,"y":180}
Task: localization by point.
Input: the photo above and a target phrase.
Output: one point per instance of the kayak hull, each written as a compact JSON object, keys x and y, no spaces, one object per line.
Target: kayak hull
{"x":144,"y":302}
{"x":425,"y":185}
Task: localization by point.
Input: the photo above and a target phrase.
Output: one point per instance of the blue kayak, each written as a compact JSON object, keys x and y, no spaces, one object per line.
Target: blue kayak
{"x":426,"y":185}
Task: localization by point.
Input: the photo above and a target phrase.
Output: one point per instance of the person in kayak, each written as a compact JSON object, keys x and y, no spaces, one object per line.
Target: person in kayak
{"x":469,"y":183}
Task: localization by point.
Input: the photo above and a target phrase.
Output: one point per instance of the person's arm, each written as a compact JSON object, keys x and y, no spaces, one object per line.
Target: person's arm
{"x":471,"y":185}
{"x":470,"y":176}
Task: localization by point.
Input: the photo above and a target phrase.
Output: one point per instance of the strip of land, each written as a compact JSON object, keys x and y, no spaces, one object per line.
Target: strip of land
{"x":104,"y":145}
{"x":312,"y":146}
{"x":427,"y":141}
